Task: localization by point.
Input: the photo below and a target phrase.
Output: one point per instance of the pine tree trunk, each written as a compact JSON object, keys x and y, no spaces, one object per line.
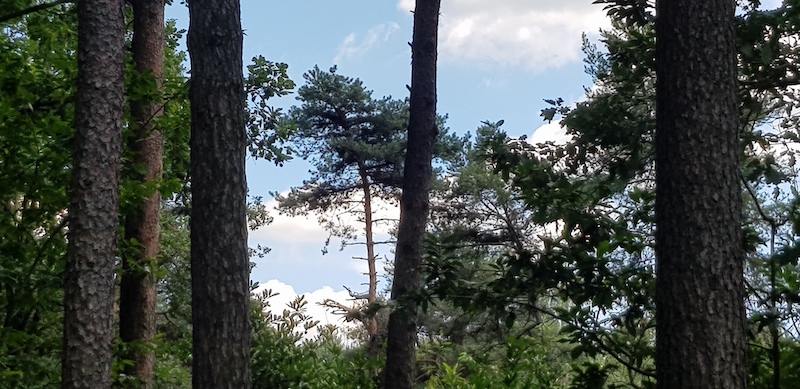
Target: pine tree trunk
{"x":372,"y":294}
{"x":94,"y":196}
{"x":137,"y":315}
{"x":700,"y":288}
{"x":414,"y":203}
{"x":220,"y":263}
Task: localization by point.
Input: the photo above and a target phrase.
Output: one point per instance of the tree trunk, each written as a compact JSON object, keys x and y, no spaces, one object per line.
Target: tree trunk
{"x":414,"y":203}
{"x":220,"y":263}
{"x":699,"y":288}
{"x":372,"y":294}
{"x":94,"y":196}
{"x":137,"y":315}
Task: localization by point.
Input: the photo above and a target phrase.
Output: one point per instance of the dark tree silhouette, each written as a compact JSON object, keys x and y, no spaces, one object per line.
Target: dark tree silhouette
{"x":220,"y":262}
{"x":414,"y":202}
{"x":699,"y":288}
{"x":94,"y":196}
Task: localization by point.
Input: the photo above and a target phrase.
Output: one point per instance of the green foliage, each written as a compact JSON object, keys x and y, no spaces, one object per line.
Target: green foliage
{"x":547,"y":232}
{"x":768,"y":59}
{"x":266,"y":131}
{"x":283,"y":356}
{"x":633,"y":12}
{"x":37,"y":81}
{"x":173,"y":126}
{"x":36,"y":94}
{"x":173,"y":323}
{"x":539,"y":264}
{"x":517,"y":363}
{"x":597,"y":193}
{"x":761,"y":367}
{"x":345,"y":133}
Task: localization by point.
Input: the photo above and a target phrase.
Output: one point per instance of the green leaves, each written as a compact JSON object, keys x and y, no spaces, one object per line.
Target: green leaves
{"x":266,"y":129}
{"x":37,"y":66}
{"x":556,"y":108}
{"x":633,"y":12}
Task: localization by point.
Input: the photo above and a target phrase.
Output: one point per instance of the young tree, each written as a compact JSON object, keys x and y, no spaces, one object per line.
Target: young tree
{"x":355,"y":144}
{"x":700,"y":311}
{"x":414,"y":203}
{"x":137,"y":307}
{"x":220,"y":262}
{"x":94,"y":196}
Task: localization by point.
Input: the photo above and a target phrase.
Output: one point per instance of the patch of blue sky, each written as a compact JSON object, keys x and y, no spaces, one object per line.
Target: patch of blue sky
{"x":497,"y":60}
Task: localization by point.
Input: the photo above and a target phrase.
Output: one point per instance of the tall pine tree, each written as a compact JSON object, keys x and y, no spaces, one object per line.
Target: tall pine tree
{"x":220,"y":262}
{"x":356,"y":145}
{"x":700,"y":311}
{"x":94,"y":196}
{"x":415,"y":202}
{"x":137,"y":307}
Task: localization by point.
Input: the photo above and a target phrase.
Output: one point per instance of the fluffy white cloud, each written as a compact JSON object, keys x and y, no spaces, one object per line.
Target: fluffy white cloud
{"x":536,"y":34}
{"x":352,"y":47}
{"x":405,"y":5}
{"x":550,"y":132}
{"x":304,"y":229}
{"x":288,"y":229}
{"x":299,"y":239}
{"x":286,"y":294}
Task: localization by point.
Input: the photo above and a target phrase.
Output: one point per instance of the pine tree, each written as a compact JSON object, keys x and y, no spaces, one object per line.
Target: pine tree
{"x":137,"y":315}
{"x":700,"y":311}
{"x":220,"y":262}
{"x":415,"y":202}
{"x":94,"y":196}
{"x":355,"y":143}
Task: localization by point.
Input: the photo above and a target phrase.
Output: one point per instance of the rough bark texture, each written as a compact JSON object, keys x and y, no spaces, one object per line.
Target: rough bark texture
{"x":220,"y":263}
{"x":699,"y":289}
{"x":137,"y":315}
{"x":414,"y":203}
{"x":94,"y":196}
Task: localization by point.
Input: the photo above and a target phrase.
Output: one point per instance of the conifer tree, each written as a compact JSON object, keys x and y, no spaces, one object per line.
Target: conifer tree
{"x":700,"y":313}
{"x":94,"y":196}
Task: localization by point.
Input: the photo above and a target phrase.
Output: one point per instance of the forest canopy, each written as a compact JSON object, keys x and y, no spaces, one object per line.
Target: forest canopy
{"x":511,"y":263}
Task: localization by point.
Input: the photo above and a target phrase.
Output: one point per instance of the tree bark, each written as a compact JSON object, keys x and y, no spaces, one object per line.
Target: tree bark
{"x":699,"y":288}
{"x":94,"y":196}
{"x":220,"y":263}
{"x":372,"y":294}
{"x":137,"y":315}
{"x":415,"y":202}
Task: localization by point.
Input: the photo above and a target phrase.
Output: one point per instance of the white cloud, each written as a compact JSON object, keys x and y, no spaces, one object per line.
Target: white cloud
{"x":286,"y":294}
{"x":405,"y":5}
{"x":351,"y":47}
{"x":304,"y":229}
{"x":535,"y":34}
{"x":289,"y":229}
{"x":550,"y":132}
{"x":299,"y":239}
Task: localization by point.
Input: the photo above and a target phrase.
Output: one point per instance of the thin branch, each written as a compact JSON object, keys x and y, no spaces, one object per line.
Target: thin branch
{"x":769,"y":219}
{"x":364,"y":243}
{"x":30,"y":10}
{"x":766,"y":85}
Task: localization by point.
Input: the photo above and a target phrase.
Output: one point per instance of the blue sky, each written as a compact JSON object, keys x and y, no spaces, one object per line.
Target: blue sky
{"x":497,"y":60}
